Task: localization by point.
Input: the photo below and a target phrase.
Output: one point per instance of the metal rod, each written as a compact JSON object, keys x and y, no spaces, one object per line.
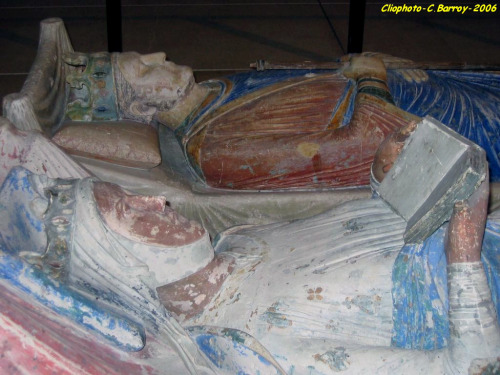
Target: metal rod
{"x":266,"y":65}
{"x":332,"y":28}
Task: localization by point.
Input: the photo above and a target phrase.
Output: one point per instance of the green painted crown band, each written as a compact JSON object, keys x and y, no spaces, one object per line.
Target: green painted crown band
{"x":92,"y":94}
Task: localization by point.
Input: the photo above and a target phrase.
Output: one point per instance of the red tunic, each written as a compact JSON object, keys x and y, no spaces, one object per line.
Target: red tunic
{"x":290,"y":135}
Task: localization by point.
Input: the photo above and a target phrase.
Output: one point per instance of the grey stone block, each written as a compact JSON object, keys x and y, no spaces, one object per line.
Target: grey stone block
{"x":436,"y":168}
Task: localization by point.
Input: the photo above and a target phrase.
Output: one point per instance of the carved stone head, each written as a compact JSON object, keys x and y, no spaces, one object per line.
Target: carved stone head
{"x":139,"y":85}
{"x":85,"y":230}
{"x":148,"y":83}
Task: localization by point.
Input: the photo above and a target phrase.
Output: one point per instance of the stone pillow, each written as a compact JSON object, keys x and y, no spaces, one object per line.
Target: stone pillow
{"x":123,"y":142}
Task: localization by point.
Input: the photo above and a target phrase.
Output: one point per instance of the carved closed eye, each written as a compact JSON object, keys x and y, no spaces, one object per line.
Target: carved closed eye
{"x":77,"y":60}
{"x":99,"y":74}
{"x":101,"y":109}
{"x":79,"y":68}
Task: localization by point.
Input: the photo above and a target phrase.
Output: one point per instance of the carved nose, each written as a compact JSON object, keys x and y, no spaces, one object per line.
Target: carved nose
{"x":157,"y":58}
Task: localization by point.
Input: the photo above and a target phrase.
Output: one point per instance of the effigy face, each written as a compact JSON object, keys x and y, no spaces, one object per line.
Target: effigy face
{"x":59,"y":216}
{"x":142,"y":218}
{"x":156,"y":82}
{"x":170,"y":245}
{"x":149,"y":85}
{"x":108,"y":86}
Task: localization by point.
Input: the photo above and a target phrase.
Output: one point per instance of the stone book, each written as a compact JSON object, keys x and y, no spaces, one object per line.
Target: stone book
{"x":436,"y":168}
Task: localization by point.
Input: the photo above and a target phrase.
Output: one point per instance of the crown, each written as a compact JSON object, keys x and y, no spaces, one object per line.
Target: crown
{"x":92,"y":95}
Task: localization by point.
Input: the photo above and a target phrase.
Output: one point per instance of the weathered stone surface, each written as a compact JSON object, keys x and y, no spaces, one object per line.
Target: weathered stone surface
{"x":436,"y":168}
{"x":122,"y":142}
{"x":311,"y":295}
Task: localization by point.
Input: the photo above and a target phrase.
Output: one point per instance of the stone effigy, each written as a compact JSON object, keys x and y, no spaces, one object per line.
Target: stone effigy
{"x":318,"y":286}
{"x":301,"y":113}
{"x":296,"y":134}
{"x":282,"y":130}
{"x":87,"y":284}
{"x":129,"y":281}
{"x":309,"y":295}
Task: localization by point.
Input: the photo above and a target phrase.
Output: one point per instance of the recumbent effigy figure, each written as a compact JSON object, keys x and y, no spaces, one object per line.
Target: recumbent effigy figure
{"x":296,"y":133}
{"x":262,"y":120}
{"x":290,"y":129}
{"x":330,"y":309}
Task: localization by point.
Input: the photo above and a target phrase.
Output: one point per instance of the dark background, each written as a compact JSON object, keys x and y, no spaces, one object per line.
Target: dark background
{"x":221,"y":37}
